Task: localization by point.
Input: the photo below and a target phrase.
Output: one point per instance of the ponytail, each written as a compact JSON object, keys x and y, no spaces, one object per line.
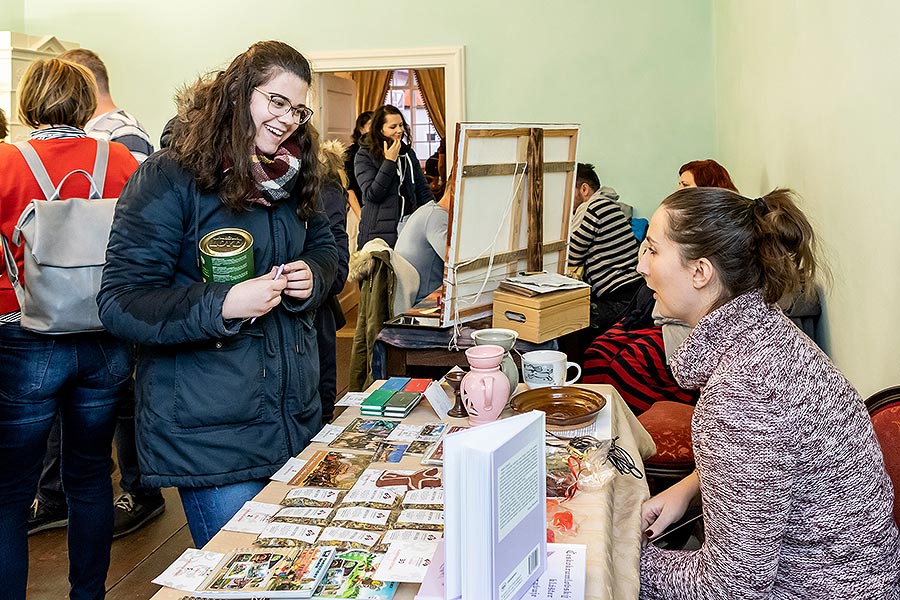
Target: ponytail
{"x":786,"y":246}
{"x":765,"y":244}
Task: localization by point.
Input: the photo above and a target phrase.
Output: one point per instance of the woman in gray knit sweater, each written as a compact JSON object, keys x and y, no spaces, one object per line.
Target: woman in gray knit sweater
{"x":796,"y":500}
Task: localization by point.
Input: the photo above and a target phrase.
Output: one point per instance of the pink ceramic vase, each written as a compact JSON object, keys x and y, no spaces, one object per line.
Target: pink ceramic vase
{"x":485,"y":389}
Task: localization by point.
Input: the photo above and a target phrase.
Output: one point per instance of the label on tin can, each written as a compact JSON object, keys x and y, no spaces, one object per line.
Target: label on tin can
{"x":227,"y":256}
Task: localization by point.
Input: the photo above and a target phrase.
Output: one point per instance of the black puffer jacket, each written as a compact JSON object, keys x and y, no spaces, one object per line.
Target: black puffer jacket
{"x":381,"y":188}
{"x":217,"y":401}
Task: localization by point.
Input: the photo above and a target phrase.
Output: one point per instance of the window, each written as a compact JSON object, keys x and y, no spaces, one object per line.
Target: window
{"x":404,"y":94}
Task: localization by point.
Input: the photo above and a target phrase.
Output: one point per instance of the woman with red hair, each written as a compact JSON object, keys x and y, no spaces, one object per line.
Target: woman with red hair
{"x":704,"y":173}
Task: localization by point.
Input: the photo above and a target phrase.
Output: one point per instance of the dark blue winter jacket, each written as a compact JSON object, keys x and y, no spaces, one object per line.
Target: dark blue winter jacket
{"x":217,"y":402}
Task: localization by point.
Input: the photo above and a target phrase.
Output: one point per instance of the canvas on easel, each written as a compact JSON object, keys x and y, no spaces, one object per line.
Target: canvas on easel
{"x":511,"y":210}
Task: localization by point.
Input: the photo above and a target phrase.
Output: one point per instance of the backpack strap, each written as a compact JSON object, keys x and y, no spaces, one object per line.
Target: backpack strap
{"x":12,"y":269}
{"x":102,"y":160}
{"x":37,"y":168}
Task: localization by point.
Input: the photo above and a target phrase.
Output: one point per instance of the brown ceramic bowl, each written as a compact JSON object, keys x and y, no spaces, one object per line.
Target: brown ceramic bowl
{"x":566,"y":407}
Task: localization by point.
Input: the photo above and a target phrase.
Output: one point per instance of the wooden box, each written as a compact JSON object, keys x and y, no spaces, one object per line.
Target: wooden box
{"x":545,"y":316}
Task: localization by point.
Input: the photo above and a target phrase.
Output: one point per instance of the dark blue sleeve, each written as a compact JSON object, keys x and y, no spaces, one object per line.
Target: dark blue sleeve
{"x":377,"y":182}
{"x":334,"y":200}
{"x":320,"y":253}
{"x":137,"y":300}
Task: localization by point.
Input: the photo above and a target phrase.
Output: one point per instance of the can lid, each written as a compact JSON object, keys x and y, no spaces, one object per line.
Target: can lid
{"x":226,"y":242}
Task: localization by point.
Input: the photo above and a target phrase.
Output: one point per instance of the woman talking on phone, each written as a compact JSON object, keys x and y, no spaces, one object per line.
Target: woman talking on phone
{"x":795,"y":497}
{"x":227,"y":369}
{"x":392,"y":182}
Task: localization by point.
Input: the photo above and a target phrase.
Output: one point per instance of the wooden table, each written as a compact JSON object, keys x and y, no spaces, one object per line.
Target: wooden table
{"x":419,"y":352}
{"x":608,"y":518}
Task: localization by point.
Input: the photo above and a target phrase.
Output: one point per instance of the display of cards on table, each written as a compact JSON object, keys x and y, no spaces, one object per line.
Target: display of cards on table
{"x":290,"y":468}
{"x":328,"y":434}
{"x":364,"y":434}
{"x":406,"y":561}
{"x":252,"y":572}
{"x":352,"y":399}
{"x":304,"y":496}
{"x":328,"y":469}
{"x":351,"y":575}
{"x":389,"y":452}
{"x":435,"y":454}
{"x":398,"y":481}
{"x":288,"y":535}
{"x":428,"y":432}
{"x":252,"y":517}
{"x":189,"y":570}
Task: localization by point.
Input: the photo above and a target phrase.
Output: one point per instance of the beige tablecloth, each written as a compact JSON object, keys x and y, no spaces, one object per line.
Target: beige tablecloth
{"x":608,"y":517}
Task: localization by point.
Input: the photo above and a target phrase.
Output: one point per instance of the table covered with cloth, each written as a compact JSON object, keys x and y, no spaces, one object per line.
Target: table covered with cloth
{"x":608,"y":517}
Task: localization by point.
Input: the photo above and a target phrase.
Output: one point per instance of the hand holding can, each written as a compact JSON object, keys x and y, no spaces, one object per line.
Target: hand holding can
{"x":254,"y":297}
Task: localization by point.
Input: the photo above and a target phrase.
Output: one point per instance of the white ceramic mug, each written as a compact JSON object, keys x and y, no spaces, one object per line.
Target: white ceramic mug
{"x":541,"y":368}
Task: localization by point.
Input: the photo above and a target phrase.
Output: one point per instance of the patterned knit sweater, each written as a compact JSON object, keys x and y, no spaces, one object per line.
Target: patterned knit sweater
{"x":796,"y":501}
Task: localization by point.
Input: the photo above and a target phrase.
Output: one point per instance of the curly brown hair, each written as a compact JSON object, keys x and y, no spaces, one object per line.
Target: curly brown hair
{"x":215,"y":128}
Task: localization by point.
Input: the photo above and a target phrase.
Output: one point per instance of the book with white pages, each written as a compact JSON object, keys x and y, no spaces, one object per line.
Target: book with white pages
{"x":495,"y":514}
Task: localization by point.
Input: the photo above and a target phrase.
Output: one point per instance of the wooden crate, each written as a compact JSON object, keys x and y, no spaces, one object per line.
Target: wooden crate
{"x":543,"y":317}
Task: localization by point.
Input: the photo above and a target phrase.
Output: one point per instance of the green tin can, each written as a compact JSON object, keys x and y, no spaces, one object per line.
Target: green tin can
{"x":227,"y":256}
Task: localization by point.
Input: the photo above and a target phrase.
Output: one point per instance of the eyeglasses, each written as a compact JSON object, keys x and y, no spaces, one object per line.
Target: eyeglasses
{"x":279,"y":106}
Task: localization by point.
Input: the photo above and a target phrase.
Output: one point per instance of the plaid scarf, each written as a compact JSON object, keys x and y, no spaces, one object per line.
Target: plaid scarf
{"x":275,"y":177}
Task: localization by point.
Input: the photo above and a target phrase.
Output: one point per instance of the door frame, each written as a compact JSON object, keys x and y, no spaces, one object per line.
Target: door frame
{"x":451,"y":58}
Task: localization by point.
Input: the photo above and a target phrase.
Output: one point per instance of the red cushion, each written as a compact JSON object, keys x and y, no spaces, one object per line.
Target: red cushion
{"x":669,"y":424}
{"x":887,"y":427}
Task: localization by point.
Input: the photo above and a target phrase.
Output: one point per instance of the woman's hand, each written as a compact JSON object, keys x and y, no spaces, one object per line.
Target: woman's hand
{"x":299,"y":280}
{"x":254,"y":297}
{"x":665,"y":508}
{"x":392,"y":153}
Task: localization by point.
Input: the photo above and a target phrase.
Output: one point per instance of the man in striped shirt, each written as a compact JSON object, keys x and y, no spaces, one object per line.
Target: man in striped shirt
{"x":603,"y":244}
{"x":110,"y":122}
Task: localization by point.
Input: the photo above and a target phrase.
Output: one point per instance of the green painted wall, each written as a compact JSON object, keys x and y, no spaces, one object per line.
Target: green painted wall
{"x":637,"y":75}
{"x":12,"y":15}
{"x":807,"y":96}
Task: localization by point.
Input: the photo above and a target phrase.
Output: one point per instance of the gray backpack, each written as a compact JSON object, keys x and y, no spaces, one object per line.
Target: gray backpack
{"x":65,"y":250}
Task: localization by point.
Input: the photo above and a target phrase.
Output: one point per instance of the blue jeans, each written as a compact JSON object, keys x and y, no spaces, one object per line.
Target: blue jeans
{"x":82,"y":378}
{"x":208,"y":508}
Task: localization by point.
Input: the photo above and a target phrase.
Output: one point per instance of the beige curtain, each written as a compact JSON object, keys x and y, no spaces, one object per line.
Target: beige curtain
{"x":431,"y":84}
{"x":371,"y":88}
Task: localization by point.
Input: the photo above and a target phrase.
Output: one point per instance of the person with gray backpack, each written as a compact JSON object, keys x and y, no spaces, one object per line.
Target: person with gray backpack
{"x":58,"y":359}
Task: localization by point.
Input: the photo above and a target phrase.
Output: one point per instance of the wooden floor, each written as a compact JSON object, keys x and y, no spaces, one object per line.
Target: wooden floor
{"x":141,"y":556}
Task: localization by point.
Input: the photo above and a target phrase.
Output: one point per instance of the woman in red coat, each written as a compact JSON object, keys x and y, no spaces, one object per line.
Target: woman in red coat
{"x":81,"y":376}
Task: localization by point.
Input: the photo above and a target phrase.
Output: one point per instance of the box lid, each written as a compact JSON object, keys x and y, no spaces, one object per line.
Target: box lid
{"x":542,"y":301}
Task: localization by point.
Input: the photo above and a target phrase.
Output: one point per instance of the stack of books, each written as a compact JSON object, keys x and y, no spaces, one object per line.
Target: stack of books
{"x":395,"y":399}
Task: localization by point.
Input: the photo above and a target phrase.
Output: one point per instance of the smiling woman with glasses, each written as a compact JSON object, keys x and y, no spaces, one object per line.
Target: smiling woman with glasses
{"x":228,"y":368}
{"x":279,"y":105}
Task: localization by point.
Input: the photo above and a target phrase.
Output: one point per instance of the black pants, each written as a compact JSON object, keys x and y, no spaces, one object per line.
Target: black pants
{"x":606,"y":310}
{"x":326,"y":336}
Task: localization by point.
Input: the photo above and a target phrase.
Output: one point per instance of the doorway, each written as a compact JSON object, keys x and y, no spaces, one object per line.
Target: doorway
{"x":450,"y":58}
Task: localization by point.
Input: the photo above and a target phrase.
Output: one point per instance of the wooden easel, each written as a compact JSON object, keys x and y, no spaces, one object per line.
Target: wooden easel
{"x":528,"y":168}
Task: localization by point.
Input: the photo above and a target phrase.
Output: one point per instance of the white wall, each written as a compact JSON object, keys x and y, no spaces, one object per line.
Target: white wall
{"x":636,"y":74}
{"x":807,"y":97}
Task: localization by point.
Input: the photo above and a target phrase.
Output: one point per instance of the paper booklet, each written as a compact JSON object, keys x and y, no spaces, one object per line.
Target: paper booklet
{"x":539,"y":283}
{"x":263,"y":573}
{"x":564,"y":579}
{"x":495,"y":515}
